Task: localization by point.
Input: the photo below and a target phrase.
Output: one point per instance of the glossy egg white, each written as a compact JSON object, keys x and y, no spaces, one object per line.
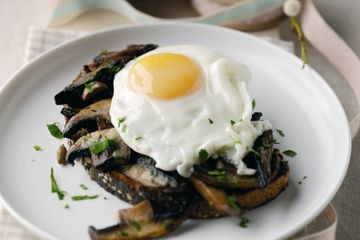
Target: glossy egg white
{"x":215,"y":117}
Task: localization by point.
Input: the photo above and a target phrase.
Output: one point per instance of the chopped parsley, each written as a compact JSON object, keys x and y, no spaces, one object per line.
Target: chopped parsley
{"x":114,"y":69}
{"x":66,"y":206}
{"x":232,"y":202}
{"x":55,"y":131}
{"x":135,"y":224}
{"x":37,"y":148}
{"x":290,"y":153}
{"x":237,"y":141}
{"x":218,"y":174}
{"x":211,"y":121}
{"x":139,"y":138}
{"x":83,"y":187}
{"x":84,"y":197}
{"x":89,"y":86}
{"x":123,"y":128}
{"x":300,"y":182}
{"x":250,"y":149}
{"x":89,"y":77}
{"x":253,"y":103}
{"x":121,"y":120}
{"x":203,"y":155}
{"x":104,"y":51}
{"x":232,"y":122}
{"x":280,"y":132}
{"x":54,"y":186}
{"x":244,"y":222}
{"x":101,"y":146}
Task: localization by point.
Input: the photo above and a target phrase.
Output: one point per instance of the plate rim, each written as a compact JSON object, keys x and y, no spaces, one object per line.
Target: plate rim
{"x":54,"y":51}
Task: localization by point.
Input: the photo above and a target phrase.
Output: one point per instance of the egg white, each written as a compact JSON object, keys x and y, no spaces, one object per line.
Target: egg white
{"x":173,"y":132}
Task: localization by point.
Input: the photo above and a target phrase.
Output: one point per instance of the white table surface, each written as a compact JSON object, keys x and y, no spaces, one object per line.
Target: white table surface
{"x":16,"y":16}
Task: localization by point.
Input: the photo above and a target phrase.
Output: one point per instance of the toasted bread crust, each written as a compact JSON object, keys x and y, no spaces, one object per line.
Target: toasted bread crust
{"x":258,"y":197}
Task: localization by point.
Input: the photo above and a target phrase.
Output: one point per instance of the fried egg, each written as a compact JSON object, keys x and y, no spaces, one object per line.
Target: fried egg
{"x":178,"y":104}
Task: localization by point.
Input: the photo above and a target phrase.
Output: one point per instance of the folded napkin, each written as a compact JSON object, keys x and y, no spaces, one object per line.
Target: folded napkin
{"x":41,"y":40}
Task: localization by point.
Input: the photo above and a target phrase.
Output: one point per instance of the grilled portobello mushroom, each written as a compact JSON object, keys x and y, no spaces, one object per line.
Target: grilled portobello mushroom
{"x":92,"y":118}
{"x":142,"y":181}
{"x":102,"y":70}
{"x":102,"y":149}
{"x":142,"y":221}
{"x":163,"y":200}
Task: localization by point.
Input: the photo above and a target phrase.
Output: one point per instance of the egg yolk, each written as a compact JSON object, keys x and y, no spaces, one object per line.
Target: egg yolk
{"x":164,"y":76}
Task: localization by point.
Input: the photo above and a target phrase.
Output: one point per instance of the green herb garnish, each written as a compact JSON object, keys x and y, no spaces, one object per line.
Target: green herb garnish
{"x":66,"y":206}
{"x":37,"y":148}
{"x":55,"y":131}
{"x":290,"y":153}
{"x":115,"y":69}
{"x":244,"y":222}
{"x":83,"y":187}
{"x":232,"y":202}
{"x":280,"y":132}
{"x":295,"y":24}
{"x":84,"y":197}
{"x":54,"y":186}
{"x":121,"y":120}
{"x":89,"y":86}
{"x":203,"y":155}
{"x":103,"y":51}
{"x":253,"y":103}
{"x":216,"y":172}
{"x":135,"y":224}
{"x":123,"y":128}
{"x":232,"y":122}
{"x":101,"y":146}
{"x":89,"y":77}
{"x":211,"y":121}
{"x":237,"y":141}
{"x":138,"y":138}
{"x":250,"y":149}
{"x":300,"y":182}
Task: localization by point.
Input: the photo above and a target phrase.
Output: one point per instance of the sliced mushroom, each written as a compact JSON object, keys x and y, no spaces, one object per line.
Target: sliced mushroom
{"x":217,"y":198}
{"x":69,"y":112}
{"x":133,"y":50}
{"x":199,"y":208}
{"x":264,"y":147}
{"x":224,"y":176}
{"x":102,"y":70}
{"x":138,"y":222}
{"x":258,"y":197}
{"x":169,"y":199}
{"x":112,"y":156}
{"x":93,"y":89}
{"x":92,"y":118}
{"x":61,"y":155}
{"x":148,"y":175}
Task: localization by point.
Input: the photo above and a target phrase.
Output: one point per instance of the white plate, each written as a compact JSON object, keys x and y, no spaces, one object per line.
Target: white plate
{"x":297,"y":101}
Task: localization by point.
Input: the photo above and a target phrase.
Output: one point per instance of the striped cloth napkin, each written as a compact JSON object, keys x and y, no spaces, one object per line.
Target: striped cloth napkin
{"x":41,"y":40}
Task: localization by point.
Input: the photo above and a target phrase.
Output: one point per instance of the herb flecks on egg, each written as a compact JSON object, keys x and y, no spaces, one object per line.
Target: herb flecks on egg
{"x":186,"y":98}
